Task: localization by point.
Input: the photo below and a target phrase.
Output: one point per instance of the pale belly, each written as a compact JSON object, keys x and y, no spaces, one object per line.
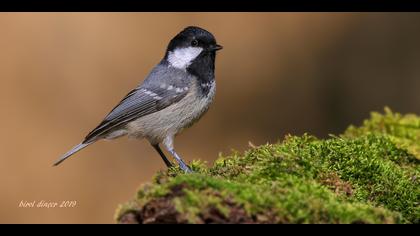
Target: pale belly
{"x":172,"y":120}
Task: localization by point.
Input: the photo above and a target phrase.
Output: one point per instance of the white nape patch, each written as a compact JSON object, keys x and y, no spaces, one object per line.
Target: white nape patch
{"x":181,"y":58}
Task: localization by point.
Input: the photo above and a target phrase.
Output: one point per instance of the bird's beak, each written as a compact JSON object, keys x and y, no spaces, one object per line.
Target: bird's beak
{"x":216,"y":47}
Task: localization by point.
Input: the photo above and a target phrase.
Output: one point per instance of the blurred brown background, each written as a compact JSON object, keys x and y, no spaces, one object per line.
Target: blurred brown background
{"x":279,"y":73}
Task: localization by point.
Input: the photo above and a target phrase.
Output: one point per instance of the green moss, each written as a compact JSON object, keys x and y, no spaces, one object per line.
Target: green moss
{"x":369,"y":174}
{"x":404,"y":130}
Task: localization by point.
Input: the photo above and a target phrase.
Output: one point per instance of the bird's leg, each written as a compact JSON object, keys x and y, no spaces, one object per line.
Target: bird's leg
{"x":167,"y":162}
{"x":168,"y":143}
{"x":181,"y":163}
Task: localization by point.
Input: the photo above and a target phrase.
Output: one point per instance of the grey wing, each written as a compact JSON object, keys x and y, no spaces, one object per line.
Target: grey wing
{"x":139,"y":102}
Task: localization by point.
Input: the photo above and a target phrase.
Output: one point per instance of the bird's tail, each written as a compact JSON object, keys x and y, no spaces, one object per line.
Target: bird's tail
{"x":75,"y":149}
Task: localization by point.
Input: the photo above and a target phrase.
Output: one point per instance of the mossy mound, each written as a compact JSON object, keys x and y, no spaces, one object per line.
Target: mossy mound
{"x":370,"y":174}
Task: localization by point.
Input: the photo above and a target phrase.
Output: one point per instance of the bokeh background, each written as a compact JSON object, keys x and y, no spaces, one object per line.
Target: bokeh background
{"x":278,"y":73}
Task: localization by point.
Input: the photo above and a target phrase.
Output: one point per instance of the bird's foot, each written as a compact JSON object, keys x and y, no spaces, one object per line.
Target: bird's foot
{"x":181,"y":163}
{"x":184,"y":166}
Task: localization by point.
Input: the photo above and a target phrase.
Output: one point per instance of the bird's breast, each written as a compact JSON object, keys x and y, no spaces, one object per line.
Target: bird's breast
{"x":176,"y":117}
{"x":192,"y":107}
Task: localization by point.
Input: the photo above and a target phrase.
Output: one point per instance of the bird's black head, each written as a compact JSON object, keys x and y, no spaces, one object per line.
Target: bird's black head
{"x":190,"y":46}
{"x":194,"y":36}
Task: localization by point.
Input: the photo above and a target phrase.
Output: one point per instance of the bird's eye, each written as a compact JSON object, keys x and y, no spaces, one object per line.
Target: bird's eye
{"x":194,"y":43}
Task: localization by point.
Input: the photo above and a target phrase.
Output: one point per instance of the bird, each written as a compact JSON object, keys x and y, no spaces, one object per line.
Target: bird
{"x":176,"y":93}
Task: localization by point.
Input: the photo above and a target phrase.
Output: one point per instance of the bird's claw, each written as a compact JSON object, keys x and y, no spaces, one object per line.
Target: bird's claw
{"x":184,"y":167}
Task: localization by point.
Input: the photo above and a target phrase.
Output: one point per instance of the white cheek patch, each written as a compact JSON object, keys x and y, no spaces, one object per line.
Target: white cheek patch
{"x":181,"y":58}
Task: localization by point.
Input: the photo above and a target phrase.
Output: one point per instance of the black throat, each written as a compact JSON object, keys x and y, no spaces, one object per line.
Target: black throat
{"x":203,"y":67}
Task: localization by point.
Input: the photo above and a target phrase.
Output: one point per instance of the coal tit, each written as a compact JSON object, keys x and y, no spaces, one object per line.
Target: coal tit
{"x":176,"y":93}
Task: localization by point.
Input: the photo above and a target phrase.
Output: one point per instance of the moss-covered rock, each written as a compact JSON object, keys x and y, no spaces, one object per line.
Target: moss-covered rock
{"x":370,"y":174}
